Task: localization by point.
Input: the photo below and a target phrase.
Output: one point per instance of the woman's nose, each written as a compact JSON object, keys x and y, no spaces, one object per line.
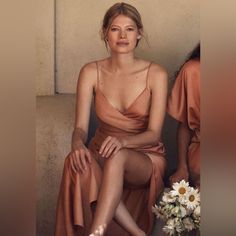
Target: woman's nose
{"x":122,"y":34}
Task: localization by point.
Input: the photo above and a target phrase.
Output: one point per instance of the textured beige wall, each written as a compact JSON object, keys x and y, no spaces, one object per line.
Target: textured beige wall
{"x":172,"y":28}
{"x":44,"y":47}
{"x":54,"y":125}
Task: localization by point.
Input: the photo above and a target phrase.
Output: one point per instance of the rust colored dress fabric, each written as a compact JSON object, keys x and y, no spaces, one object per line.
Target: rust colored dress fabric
{"x":79,"y":192}
{"x":184,"y":106}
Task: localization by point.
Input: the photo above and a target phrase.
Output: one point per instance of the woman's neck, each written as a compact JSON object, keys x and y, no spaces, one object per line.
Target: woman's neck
{"x":121,"y":62}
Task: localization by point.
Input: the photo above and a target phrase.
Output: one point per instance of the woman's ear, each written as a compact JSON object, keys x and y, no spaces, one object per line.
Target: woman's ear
{"x":140,"y":33}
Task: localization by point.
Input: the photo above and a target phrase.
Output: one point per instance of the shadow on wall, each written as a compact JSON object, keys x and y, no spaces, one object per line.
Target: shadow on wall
{"x":54,"y":126}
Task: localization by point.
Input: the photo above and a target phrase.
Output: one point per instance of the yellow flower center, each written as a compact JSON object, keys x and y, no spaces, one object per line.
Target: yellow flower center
{"x":191,"y":198}
{"x":182,"y":190}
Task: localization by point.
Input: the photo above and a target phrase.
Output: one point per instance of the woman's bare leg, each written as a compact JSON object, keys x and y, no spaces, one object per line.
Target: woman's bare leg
{"x":125,"y":220}
{"x":135,"y":168}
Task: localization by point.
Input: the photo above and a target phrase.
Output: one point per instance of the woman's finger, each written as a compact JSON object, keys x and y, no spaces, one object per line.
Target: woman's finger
{"x":88,"y":156}
{"x":82,"y":160}
{"x":107,"y":147}
{"x":111,"y":149}
{"x":171,"y":180}
{"x":72,"y":162}
{"x":107,"y":139}
{"x":77,"y":161}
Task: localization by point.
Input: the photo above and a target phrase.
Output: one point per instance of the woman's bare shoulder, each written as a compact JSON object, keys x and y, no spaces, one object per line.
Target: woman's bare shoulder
{"x":88,"y":73}
{"x":157,"y":68}
{"x":88,"y":69}
{"x":157,"y":72}
{"x":191,"y":66}
{"x":154,"y":67}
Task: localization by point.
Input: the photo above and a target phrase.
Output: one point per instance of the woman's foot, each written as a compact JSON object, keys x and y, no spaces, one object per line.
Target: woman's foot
{"x":99,"y":231}
{"x":140,"y":233}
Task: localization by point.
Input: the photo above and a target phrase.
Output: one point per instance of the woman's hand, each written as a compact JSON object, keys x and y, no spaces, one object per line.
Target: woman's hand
{"x":180,"y":174}
{"x":110,"y":146}
{"x":79,"y":158}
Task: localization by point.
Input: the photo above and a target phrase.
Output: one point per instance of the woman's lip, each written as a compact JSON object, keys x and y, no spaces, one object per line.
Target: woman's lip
{"x":122,"y":43}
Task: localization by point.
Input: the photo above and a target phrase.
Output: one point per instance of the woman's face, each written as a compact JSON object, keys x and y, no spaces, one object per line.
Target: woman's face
{"x":122,"y":35}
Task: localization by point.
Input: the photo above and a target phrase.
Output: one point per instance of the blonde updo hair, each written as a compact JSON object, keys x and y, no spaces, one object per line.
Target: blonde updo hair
{"x":121,"y":9}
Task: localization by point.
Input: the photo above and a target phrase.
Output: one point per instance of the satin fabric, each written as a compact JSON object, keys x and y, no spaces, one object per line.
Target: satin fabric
{"x":184,"y":106}
{"x":79,"y":192}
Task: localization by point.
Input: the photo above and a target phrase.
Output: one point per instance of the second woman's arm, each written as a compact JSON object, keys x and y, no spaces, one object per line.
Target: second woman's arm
{"x":184,"y":137}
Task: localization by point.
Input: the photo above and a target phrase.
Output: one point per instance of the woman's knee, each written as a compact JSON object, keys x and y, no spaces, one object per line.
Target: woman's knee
{"x":118,"y":160}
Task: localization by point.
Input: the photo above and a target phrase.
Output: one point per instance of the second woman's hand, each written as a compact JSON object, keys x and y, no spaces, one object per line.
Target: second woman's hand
{"x":110,"y":146}
{"x":80,"y":158}
{"x":180,"y":174}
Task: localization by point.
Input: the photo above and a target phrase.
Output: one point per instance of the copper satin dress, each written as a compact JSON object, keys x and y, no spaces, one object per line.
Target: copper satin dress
{"x":79,"y":192}
{"x":184,"y":106}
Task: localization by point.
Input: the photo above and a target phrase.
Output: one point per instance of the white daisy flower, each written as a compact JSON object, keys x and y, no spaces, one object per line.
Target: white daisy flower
{"x":168,"y":198}
{"x":180,"y":189}
{"x":169,"y":228}
{"x":179,"y":211}
{"x":175,"y":211}
{"x":189,"y":211}
{"x":178,"y":225}
{"x":183,"y":211}
{"x":192,"y":199}
{"x":167,"y":209}
{"x":197,"y":211}
{"x":159,"y":212}
{"x":188,"y":223}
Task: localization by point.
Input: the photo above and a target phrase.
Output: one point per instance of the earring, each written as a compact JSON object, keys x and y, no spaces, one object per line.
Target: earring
{"x":139,"y":37}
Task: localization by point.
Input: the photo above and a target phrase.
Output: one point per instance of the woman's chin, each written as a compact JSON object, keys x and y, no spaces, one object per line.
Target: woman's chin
{"x":122,"y":50}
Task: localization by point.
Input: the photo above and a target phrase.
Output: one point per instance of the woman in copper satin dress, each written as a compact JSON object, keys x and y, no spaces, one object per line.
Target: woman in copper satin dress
{"x":109,"y":187}
{"x":184,"y":106}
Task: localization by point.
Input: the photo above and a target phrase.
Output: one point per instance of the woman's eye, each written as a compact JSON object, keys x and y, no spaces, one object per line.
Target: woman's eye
{"x":114,"y":29}
{"x":130,"y":29}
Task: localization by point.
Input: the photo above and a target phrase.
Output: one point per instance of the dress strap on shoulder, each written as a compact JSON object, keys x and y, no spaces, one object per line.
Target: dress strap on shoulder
{"x":97,"y":74}
{"x":147,"y":79}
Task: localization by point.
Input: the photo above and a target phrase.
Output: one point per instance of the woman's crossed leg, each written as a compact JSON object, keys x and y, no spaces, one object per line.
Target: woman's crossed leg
{"x":127,"y":165}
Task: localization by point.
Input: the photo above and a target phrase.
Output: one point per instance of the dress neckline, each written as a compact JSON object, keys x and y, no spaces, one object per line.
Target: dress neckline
{"x":98,"y":90}
{"x":135,"y":100}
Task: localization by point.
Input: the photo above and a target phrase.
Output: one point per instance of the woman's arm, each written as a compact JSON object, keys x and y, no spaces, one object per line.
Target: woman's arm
{"x":158,"y":86}
{"x":84,"y":95}
{"x":183,"y":139}
{"x":158,"y":81}
{"x":80,"y":155}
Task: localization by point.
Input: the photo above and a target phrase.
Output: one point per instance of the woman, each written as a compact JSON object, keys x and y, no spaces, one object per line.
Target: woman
{"x":184,"y":106}
{"x":111,"y":185}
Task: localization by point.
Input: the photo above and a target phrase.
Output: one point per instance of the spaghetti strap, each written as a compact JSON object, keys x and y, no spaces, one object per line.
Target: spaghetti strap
{"x":147,"y":79}
{"x":97,"y":74}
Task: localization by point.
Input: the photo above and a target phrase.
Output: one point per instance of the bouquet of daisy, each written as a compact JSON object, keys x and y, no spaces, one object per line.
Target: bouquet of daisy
{"x":180,"y":209}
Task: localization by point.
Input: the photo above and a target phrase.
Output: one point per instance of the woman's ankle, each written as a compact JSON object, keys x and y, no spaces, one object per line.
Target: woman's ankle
{"x":139,"y":232}
{"x":99,"y":231}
